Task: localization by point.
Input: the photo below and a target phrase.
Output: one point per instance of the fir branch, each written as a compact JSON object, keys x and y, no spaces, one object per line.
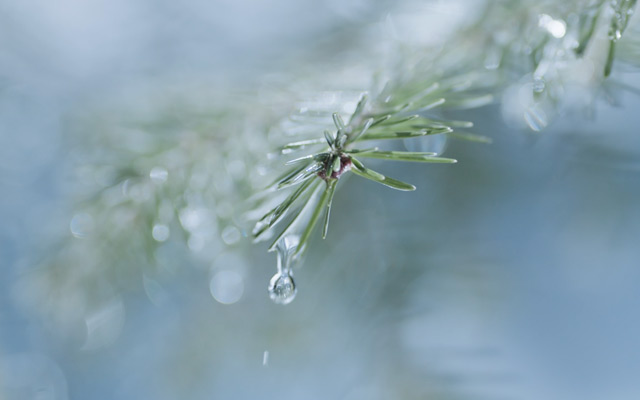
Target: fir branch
{"x":397,"y":112}
{"x":155,"y":173}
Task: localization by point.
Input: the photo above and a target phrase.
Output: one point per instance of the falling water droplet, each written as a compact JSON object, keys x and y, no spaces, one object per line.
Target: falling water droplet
{"x":282,"y":288}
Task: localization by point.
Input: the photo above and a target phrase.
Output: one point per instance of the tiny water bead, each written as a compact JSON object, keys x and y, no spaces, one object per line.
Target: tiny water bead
{"x":159,"y":175}
{"x":160,"y":232}
{"x":231,"y":235}
{"x":556,"y":27}
{"x":538,"y":85}
{"x":81,"y":225}
{"x":282,"y":288}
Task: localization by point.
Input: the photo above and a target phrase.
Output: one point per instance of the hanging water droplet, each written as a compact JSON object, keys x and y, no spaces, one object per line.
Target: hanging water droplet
{"x":282,"y":288}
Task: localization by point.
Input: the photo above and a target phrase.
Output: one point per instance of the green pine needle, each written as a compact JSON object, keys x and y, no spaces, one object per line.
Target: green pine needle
{"x":407,"y":156}
{"x":385,"y":180}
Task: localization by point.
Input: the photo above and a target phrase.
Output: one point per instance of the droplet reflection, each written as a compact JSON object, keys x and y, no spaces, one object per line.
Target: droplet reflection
{"x":282,"y":288}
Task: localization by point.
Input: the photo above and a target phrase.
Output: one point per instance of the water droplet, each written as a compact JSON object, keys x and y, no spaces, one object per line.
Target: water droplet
{"x":615,"y":35}
{"x":81,"y":225}
{"x":159,"y":175}
{"x":231,"y":235}
{"x":556,"y":27}
{"x":538,"y":84}
{"x":282,"y":288}
{"x":493,"y":59}
{"x":191,"y":218}
{"x":160,"y":232}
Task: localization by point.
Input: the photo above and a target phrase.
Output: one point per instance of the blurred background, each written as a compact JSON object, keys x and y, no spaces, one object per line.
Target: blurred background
{"x":131,"y":130}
